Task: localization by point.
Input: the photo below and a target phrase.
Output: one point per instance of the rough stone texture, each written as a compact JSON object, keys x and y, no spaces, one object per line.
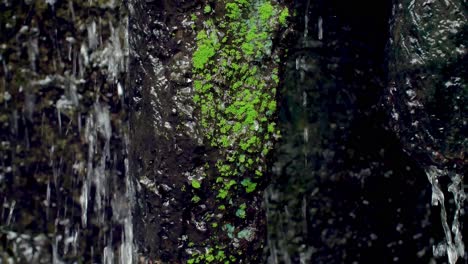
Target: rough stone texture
{"x":61,"y":68}
{"x":170,"y":148}
{"x":427,"y":93}
{"x":344,"y":190}
{"x":426,"y":100}
{"x":165,"y":148}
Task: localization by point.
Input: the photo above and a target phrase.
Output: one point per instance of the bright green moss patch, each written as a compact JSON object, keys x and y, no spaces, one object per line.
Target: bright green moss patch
{"x":249,"y":185}
{"x":235,"y":74}
{"x":233,"y":11}
{"x":266,"y":11}
{"x":283,"y":16}
{"x":207,"y":46}
{"x":196,"y":184}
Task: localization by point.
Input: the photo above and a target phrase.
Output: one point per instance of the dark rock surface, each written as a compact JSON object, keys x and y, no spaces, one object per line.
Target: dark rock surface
{"x":346,"y":187}
{"x":427,"y":90}
{"x":165,"y":146}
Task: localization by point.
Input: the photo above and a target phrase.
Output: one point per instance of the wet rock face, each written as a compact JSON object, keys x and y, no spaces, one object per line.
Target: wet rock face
{"x":62,"y":139}
{"x":166,"y":147}
{"x":426,"y":100}
{"x":199,"y":196}
{"x":343,"y":189}
{"x":345,"y":64}
{"x":427,"y":93}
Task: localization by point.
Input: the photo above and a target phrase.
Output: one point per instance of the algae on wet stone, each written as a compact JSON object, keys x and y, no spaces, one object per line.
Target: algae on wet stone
{"x":235,"y":74}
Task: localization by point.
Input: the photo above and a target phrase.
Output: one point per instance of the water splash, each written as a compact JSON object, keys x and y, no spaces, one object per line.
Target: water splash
{"x":55,"y":254}
{"x":108,"y":255}
{"x":126,"y":248}
{"x":50,"y":2}
{"x":453,"y":245}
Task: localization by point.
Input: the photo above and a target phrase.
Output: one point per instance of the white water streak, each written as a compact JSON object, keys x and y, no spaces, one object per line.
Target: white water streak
{"x":320,"y":28}
{"x":453,"y":245}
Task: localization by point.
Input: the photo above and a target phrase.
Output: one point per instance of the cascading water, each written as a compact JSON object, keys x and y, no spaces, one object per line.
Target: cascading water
{"x":453,"y":245}
{"x":63,"y":105}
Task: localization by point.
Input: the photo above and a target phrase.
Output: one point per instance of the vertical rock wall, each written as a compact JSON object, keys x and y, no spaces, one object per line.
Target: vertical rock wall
{"x":62,"y":151}
{"x":203,"y":103}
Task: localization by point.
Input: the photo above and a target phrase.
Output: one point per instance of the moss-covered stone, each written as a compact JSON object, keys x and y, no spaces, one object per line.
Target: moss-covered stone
{"x":235,"y":78}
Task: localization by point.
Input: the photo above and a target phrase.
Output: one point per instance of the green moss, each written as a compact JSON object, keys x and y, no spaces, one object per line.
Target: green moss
{"x":206,"y":49}
{"x":249,"y":185}
{"x":196,"y":184}
{"x":248,"y":48}
{"x":266,"y":11}
{"x":233,"y":11}
{"x":211,"y":255}
{"x":242,"y":158}
{"x":207,"y":9}
{"x":222,"y":194}
{"x":283,"y":16}
{"x":196,"y":199}
{"x":241,"y":211}
{"x":236,"y":102}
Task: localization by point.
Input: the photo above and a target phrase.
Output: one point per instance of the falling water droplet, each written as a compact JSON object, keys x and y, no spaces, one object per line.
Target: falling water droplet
{"x":320,"y":28}
{"x":10,"y":214}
